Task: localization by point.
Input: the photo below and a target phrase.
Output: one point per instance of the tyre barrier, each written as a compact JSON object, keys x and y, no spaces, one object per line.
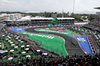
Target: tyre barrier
{"x":91,"y":44}
{"x":92,"y":48}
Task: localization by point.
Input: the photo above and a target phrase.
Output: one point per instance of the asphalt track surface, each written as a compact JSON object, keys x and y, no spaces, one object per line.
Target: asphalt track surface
{"x":71,"y":44}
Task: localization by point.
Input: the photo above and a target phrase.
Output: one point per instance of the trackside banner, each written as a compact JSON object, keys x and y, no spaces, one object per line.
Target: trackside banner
{"x":18,"y":29}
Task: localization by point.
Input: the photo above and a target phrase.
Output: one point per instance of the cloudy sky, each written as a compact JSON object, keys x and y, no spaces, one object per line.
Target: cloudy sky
{"x":81,"y":6}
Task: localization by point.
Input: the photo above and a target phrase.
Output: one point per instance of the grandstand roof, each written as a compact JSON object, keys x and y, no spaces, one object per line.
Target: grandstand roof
{"x":97,"y":8}
{"x":81,"y":23}
{"x":26,"y":18}
{"x":51,"y":18}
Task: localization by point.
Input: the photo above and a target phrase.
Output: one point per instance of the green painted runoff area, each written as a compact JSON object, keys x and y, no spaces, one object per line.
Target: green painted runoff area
{"x":49,"y":42}
{"x":68,"y":32}
{"x":71,"y":32}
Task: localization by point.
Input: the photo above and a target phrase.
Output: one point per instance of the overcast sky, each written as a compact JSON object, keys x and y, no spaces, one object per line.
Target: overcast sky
{"x":81,"y":6}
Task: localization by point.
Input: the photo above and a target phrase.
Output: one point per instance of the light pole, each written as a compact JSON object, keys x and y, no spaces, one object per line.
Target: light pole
{"x":73,"y":5}
{"x":29,"y":20}
{"x":62,"y":13}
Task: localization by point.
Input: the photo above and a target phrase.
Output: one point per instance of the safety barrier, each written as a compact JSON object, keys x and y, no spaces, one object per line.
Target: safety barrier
{"x":92,"y":47}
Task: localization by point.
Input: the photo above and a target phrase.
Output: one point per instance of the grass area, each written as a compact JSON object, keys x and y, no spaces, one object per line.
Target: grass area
{"x":68,"y":32}
{"x":71,"y":32}
{"x":49,"y":42}
{"x":47,"y":30}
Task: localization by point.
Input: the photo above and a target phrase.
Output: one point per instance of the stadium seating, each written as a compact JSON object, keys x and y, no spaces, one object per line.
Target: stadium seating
{"x":15,"y":48}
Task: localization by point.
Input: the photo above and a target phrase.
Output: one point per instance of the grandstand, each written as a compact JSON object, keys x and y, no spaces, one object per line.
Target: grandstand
{"x":46,"y":21}
{"x":40,"y":21}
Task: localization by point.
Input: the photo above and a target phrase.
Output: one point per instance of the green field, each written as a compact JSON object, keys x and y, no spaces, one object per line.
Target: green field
{"x":49,"y":42}
{"x":68,"y":32}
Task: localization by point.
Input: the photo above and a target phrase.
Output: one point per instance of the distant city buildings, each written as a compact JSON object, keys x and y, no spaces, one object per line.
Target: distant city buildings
{"x":10,"y":17}
{"x":84,"y":18}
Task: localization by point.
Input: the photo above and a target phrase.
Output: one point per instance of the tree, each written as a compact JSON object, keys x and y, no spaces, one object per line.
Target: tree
{"x":92,"y":16}
{"x":76,"y":16}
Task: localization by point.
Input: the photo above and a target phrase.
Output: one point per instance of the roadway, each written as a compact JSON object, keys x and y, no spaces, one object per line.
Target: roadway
{"x":71,"y":44}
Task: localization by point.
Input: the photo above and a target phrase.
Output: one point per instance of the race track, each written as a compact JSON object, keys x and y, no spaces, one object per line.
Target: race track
{"x":71,"y":44}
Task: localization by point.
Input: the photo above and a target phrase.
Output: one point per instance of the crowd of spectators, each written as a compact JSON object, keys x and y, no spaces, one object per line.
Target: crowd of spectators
{"x":94,"y":25}
{"x":58,"y":61}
